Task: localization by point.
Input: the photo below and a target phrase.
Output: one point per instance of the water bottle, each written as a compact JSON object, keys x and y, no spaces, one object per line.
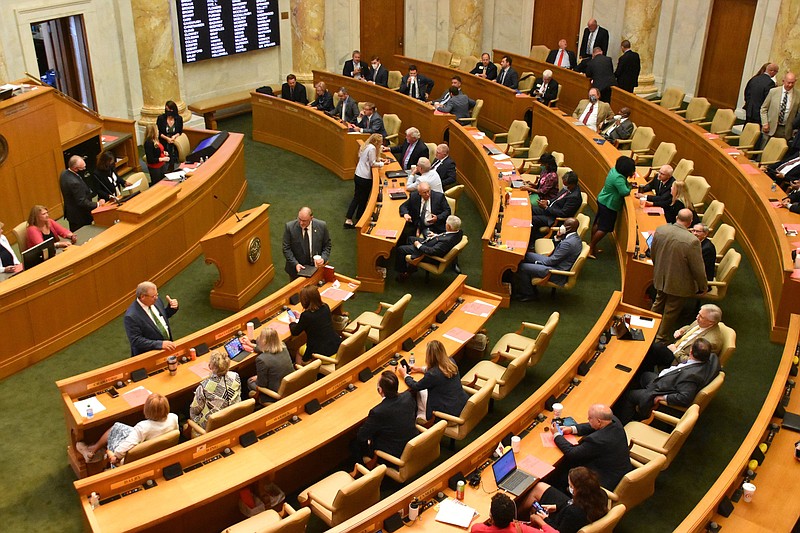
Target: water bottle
{"x":773,"y":187}
{"x":94,"y":500}
{"x":89,"y":411}
{"x":411,"y":360}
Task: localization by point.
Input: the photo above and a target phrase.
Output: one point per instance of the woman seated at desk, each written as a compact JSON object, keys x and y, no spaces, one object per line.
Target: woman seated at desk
{"x":120,"y":438}
{"x":317,"y":322}
{"x":170,"y":126}
{"x":272,"y":364}
{"x":218,"y":391}
{"x":8,"y":258}
{"x":546,"y":185}
{"x":441,"y":383}
{"x":42,"y":228}
{"x":105,"y":183}
{"x":502,"y":519}
{"x":677,"y":201}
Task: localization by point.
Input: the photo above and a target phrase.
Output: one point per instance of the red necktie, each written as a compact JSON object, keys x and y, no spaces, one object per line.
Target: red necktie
{"x":560,"y":57}
{"x":586,"y":117}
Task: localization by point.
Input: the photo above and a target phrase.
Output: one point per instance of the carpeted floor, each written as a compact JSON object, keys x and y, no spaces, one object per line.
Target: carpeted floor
{"x":36,"y":488}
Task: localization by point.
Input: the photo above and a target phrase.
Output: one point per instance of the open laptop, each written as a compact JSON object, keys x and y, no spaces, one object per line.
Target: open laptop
{"x":510,"y":478}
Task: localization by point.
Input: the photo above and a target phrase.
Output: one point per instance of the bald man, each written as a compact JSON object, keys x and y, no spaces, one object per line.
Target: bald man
{"x":779,"y":109}
{"x":147,"y":320}
{"x":304,"y":239}
{"x":756,"y":91}
{"x":660,"y":188}
{"x":78,"y":203}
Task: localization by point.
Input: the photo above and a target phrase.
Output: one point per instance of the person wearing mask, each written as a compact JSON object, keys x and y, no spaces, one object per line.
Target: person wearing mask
{"x":104,"y":180}
{"x":592,"y":112}
{"x":170,"y":126}
{"x":78,"y":203}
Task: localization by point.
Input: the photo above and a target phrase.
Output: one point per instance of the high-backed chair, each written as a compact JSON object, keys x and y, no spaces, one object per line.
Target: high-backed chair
{"x":545,"y":245}
{"x":607,"y":523}
{"x":506,"y":377}
{"x":554,"y":101}
{"x":431,"y":151}
{"x":468,"y":63}
{"x":638,"y":484}
{"x":271,"y":522}
{"x":559,"y":157}
{"x":441,"y":263}
{"x":311,"y":93}
{"x":183,"y":146}
{"x":141,"y":177}
{"x":704,"y":395}
{"x":381,"y":326}
{"x":20,"y":232}
{"x":648,"y":443}
{"x":452,"y":195}
{"x":395,"y":79}
{"x":351,"y":347}
{"x":712,"y":216}
{"x":392,"y":124}
{"x":302,"y":377}
{"x":751,"y":133}
{"x":458,"y":427}
{"x":663,"y":155}
{"x":419,"y":452}
{"x":723,"y":239}
{"x":697,"y":189}
{"x":683,"y":169}
{"x":572,"y":275}
{"x":696,"y":111}
{"x":515,"y":343}
{"x":526,"y":83}
{"x":671,"y":98}
{"x":641,"y":142}
{"x":773,"y":152}
{"x":472,"y":119}
{"x":728,"y":344}
{"x":539,"y":52}
{"x":722,"y":122}
{"x":339,"y":497}
{"x":718,"y":288}
{"x":149,"y":447}
{"x":515,"y":137}
{"x":223,"y":417}
{"x":532,"y":153}
{"x":442,"y":57}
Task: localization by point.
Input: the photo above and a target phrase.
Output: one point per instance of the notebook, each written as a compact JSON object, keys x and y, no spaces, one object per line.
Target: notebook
{"x":307,"y":271}
{"x":510,"y":478}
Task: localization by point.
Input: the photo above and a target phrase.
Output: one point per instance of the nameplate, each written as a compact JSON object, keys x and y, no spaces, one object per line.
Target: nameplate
{"x":61,"y":277}
{"x":109,"y":379}
{"x":19,"y":108}
{"x":133,"y":479}
{"x":205,"y":449}
{"x":281,"y":416}
{"x":337,"y":386}
{"x":227,"y":332}
{"x":117,"y":247}
{"x":433,"y":490}
{"x":291,"y":109}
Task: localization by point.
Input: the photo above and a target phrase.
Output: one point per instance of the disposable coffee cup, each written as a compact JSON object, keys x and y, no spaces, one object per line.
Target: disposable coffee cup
{"x":413,"y":511}
{"x":250,"y":330}
{"x":172,"y":364}
{"x":557,"y":409}
{"x":317,"y":259}
{"x":515,"y":444}
{"x":748,"y":489}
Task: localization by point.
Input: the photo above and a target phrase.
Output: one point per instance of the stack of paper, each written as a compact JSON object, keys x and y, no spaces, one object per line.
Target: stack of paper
{"x":454,"y":512}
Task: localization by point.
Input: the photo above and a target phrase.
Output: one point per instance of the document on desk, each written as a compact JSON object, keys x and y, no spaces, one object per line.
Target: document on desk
{"x":456,"y":513}
{"x":133,"y":185}
{"x":201,"y":369}
{"x":137,"y":396}
{"x":642,"y":322}
{"x":82,"y":405}
{"x":518,"y":201}
{"x":548,"y":442}
{"x":175,"y":176}
{"x":501,"y":157}
{"x":519,"y":223}
{"x":280,"y":327}
{"x":458,"y":335}
{"x":333,"y":293}
{"x":535,"y":466}
{"x":479,"y":308}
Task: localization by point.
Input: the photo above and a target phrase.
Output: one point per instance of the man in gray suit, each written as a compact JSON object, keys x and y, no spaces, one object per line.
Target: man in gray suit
{"x":678,"y":270}
{"x":567,"y":249}
{"x":303,"y":239}
{"x":459,"y":104}
{"x":346,"y":108}
{"x":779,"y":109}
{"x":619,"y":127}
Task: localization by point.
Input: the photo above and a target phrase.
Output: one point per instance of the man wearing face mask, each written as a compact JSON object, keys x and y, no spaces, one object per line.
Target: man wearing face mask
{"x":377,"y":73}
{"x":591,"y":111}
{"x":565,"y":204}
{"x":567,"y":249}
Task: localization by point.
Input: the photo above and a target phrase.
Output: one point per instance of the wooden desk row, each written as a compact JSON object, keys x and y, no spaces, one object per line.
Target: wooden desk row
{"x":602,"y":384}
{"x":288,"y":453}
{"x":775,"y":506}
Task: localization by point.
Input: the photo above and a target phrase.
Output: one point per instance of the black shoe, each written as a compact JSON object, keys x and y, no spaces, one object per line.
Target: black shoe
{"x":348,"y":226}
{"x":456,"y":268}
{"x":527,"y":298}
{"x":401,"y":277}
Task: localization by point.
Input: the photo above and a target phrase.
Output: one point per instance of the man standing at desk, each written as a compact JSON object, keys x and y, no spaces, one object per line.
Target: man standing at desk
{"x":409,"y":152}
{"x":147,"y":320}
{"x":78,"y":204}
{"x":594,"y":36}
{"x":600,"y":70}
{"x":779,"y":109}
{"x":756,"y":91}
{"x":629,"y":65}
{"x":303,"y":239}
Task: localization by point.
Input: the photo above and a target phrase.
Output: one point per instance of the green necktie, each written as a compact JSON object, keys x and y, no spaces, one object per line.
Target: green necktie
{"x":159,"y":324}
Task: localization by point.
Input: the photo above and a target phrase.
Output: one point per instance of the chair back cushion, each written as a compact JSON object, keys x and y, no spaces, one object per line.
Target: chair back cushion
{"x":421,"y":451}
{"x":20,"y":231}
{"x":664,"y":155}
{"x":352,"y":346}
{"x":775,"y":149}
{"x":681,"y":432}
{"x":442,"y":57}
{"x":697,"y":109}
{"x":149,"y":447}
{"x":639,"y":484}
{"x":518,"y":131}
{"x":707,"y":393}
{"x":728,"y":344}
{"x":697,"y":189}
{"x":183,"y":146}
{"x":476,"y":408}
{"x":643,"y":138}
{"x":683,"y":169}
{"x":607,"y":523}
{"x":543,"y":338}
{"x":393,"y":317}
{"x":713,"y":214}
{"x":230,"y":414}
{"x":299,"y":379}
{"x":538,"y":146}
{"x":359,"y":495}
{"x":672,"y":97}
{"x":723,"y":121}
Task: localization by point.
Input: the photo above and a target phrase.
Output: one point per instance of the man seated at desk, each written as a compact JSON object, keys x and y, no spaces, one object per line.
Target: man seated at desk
{"x":444,"y":165}
{"x":433,"y":245}
{"x":507,"y":76}
{"x":458,"y":104}
{"x":675,"y":385}
{"x":424,"y":173}
{"x":660,"y":187}
{"x":416,"y":85}
{"x":377,"y":73}
{"x":485,"y":68}
{"x":545,"y":88}
{"x":786,"y":171}
{"x":707,"y":247}
{"x":425,"y":211}
{"x":306,"y":242}
{"x":562,"y":57}
{"x":591,"y":111}
{"x":409,"y":151}
{"x":324,"y":101}
{"x":792,"y":201}
{"x":619,"y":127}
{"x":705,"y":326}
{"x":369,"y":121}
{"x":390,"y":424}
{"x":564,"y":205}
{"x":346,"y":108}
{"x":455,"y":81}
{"x":292,"y":91}
{"x":147,"y":320}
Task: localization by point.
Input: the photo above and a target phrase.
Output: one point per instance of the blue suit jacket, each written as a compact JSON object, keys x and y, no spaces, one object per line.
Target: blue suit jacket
{"x":141,"y":331}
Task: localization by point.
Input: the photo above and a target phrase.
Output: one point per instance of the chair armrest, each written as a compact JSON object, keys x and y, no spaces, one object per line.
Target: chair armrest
{"x":645,"y":157}
{"x":514,"y":149}
{"x":271,"y":393}
{"x":311,"y":498}
{"x":642,"y":151}
{"x":390,"y":458}
{"x":637,"y":464}
{"x":624,"y":142}
{"x":646,"y":446}
{"x":656,"y":101}
{"x":552,"y":103}
{"x":324,"y":358}
{"x":611,"y":496}
{"x":693,"y":120}
{"x":468,"y":120}
{"x":196,"y":427}
{"x":731,"y":137}
{"x":361,"y":469}
{"x":391,"y":137}
{"x":667,"y":419}
{"x":704,"y":124}
{"x":500,"y":136}
{"x":716,"y":284}
{"x":681,"y":112}
{"x":749,"y":153}
{"x":505,"y":355}
{"x":288,"y":510}
{"x":450,"y":418}
{"x":562,"y":272}
{"x":721,"y":132}
{"x":383,"y":305}
{"x":530,"y":325}
{"x":673,"y":108}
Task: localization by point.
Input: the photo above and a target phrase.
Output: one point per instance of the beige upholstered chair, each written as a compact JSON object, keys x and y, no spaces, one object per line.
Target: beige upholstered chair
{"x":712,"y":216}
{"x":751,"y":133}
{"x":671,"y":98}
{"x":419,"y":452}
{"x":559,"y":157}
{"x":697,"y":189}
{"x":640,"y":142}
{"x":149,"y":447}
{"x":442,"y":57}
{"x":339,"y":497}
{"x":381,"y":326}
{"x":506,"y":377}
{"x":515,"y":137}
{"x":638,"y":484}
{"x":532,"y":153}
{"x":441,"y":263}
{"x":311,"y":94}
{"x":512,"y":344}
{"x":395,"y":79}
{"x":539,"y":52}
{"x":554,"y":101}
{"x":723,"y":239}
{"x":452,"y":195}
{"x":271,"y":522}
{"x":431,"y":151}
{"x":663,"y":155}
{"x":468,"y":63}
{"x":297,"y":380}
{"x":607,"y":523}
{"x":144,"y":184}
{"x":683,"y":169}
{"x":696,"y":111}
{"x":526,"y":84}
{"x":648,"y":443}
{"x":722,"y":122}
{"x":718,"y":288}
{"x":572,"y":275}
{"x":472,"y":120}
{"x":728,"y":344}
{"x":392,"y":124}
{"x":772,"y":153}
{"x":704,"y":395}
{"x":20,"y":232}
{"x":183,"y":146}
{"x":458,"y":427}
{"x":232,"y":413}
{"x":350,"y":348}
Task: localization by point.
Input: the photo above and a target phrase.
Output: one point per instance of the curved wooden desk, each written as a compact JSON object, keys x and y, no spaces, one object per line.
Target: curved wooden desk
{"x":775,"y":506}
{"x":290,"y":453}
{"x":51,"y":306}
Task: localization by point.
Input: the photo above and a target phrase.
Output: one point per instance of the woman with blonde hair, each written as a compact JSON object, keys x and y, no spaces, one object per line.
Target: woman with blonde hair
{"x":157,"y":158}
{"x":218,"y":391}
{"x":368,"y":157}
{"x":272,"y":364}
{"x":43,"y":228}
{"x":441,"y":381}
{"x":679,"y":201}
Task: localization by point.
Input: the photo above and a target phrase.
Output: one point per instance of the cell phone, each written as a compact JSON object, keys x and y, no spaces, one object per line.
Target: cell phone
{"x":404,"y":364}
{"x":623,"y":368}
{"x":559,"y":430}
{"x":113,"y":392}
{"x":539,"y":508}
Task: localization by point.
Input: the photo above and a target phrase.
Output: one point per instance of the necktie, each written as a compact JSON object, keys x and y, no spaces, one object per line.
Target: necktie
{"x":423,"y":212}
{"x":306,"y":246}
{"x":688,"y":337}
{"x":560,"y":57}
{"x":158,"y":323}
{"x":436,"y":164}
{"x":344,"y":110}
{"x":502,"y":77}
{"x":586,"y":116}
{"x":414,"y":88}
{"x":560,"y":196}
{"x":374,"y":74}
{"x":782,"y":112}
{"x":407,"y":155}
{"x":589,"y":42}
{"x":544,"y":89}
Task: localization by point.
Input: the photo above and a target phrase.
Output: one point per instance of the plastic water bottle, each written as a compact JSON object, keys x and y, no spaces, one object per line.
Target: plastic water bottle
{"x":773,"y":187}
{"x":411,"y":360}
{"x":94,"y":500}
{"x":89,"y":411}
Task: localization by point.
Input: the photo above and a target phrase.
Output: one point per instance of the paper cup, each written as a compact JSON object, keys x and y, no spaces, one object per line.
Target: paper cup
{"x":515,"y":444}
{"x":748,"y":489}
{"x":557,"y":409}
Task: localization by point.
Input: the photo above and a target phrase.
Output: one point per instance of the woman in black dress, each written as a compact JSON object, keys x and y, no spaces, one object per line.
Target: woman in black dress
{"x":170,"y":125}
{"x":105,"y":183}
{"x":317,"y":323}
{"x":157,"y":157}
{"x":441,"y":380}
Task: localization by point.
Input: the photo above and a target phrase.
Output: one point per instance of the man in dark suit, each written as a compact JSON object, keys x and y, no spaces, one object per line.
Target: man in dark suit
{"x":416,"y":85}
{"x":619,"y":127}
{"x":506,"y":75}
{"x":303,"y":239}
{"x":564,"y":205}
{"x":707,"y":247}
{"x":377,"y":73}
{"x":455,"y":81}
{"x":603,"y":448}
{"x":792,"y":201}
{"x":788,"y":169}
{"x":660,"y":186}
{"x":369,"y":121}
{"x":756,"y":91}
{"x":485,"y":68}
{"x":390,"y":424}
{"x":291,"y":90}
{"x":425,"y":211}
{"x":545,"y":88}
{"x":354,"y":68}
{"x":421,"y":247}
{"x":562,"y":57}
{"x":409,"y":151}
{"x":444,"y":165}
{"x":324,"y":101}
{"x":147,"y":320}
{"x":568,"y":247}
{"x":458,"y":104}
{"x":347,"y":108}
{"x":600,"y":70}
{"x":629,"y":66}
{"x":594,"y":36}
{"x":78,"y":203}
{"x":675,"y":385}
{"x":678,"y":270}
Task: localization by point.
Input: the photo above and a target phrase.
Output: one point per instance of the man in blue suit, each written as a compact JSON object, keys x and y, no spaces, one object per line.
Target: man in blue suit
{"x":567,"y":249}
{"x":147,"y":320}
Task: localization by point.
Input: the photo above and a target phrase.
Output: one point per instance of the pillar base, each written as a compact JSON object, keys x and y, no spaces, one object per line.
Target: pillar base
{"x":646,"y":86}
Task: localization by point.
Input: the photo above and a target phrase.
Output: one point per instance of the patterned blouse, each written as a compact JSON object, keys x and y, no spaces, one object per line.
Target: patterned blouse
{"x":214,"y":394}
{"x":548,"y":185}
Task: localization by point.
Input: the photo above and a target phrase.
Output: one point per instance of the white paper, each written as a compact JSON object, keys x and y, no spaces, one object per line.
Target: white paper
{"x":175,"y":176}
{"x":133,"y":185}
{"x":639,"y":322}
{"x":501,"y":157}
{"x":93,"y":401}
{"x":646,"y":235}
{"x":454,"y":512}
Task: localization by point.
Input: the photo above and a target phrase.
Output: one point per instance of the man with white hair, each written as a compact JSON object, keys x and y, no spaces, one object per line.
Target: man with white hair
{"x":409,"y":152}
{"x":444,"y":165}
{"x":418,"y":247}
{"x":545,"y":88}
{"x":424,"y":173}
{"x":147,"y":320}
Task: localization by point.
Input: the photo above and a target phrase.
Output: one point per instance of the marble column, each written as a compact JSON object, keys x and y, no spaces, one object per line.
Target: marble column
{"x":308,"y":38}
{"x":640,"y":27}
{"x":786,"y":38}
{"x":157,"y":61}
{"x":466,"y":27}
{"x":3,"y":66}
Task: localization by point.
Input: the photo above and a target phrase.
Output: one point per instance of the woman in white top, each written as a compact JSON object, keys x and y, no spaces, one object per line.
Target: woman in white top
{"x":367,"y":158}
{"x":121,"y":438}
{"x":8,"y":258}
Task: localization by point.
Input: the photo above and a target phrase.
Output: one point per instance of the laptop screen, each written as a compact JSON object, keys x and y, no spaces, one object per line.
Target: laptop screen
{"x":504,"y":466}
{"x":649,"y":240}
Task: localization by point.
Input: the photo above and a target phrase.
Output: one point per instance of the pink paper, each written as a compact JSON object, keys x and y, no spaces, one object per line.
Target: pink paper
{"x":391,"y":190}
{"x":478,"y":308}
{"x":137,"y":396}
{"x":503,"y":165}
{"x":796,"y":274}
{"x":391,"y":233}
{"x":750,"y":169}
{"x":281,"y":327}
{"x":333,"y":293}
{"x":776,"y":204}
{"x":201,"y":369}
{"x":548,"y":442}
{"x":711,"y":136}
{"x":534,"y":466}
{"x":792,"y":227}
{"x":518,"y":223}
{"x":657,"y":210}
{"x":459,"y":335}
{"x":518,"y":201}
{"x":517,"y":244}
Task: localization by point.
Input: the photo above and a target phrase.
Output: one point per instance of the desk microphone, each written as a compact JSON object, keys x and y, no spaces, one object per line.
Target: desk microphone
{"x":229,"y":208}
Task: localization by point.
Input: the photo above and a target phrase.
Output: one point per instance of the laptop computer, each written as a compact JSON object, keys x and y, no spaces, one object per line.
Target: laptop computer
{"x":235,"y":350}
{"x":492,"y":150}
{"x":510,"y":478}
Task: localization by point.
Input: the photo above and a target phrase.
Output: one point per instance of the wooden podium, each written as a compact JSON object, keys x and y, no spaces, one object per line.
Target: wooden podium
{"x":240,"y":248}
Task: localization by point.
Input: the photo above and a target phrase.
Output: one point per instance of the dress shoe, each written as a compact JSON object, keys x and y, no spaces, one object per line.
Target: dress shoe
{"x":347,"y":225}
{"x":401,"y":277}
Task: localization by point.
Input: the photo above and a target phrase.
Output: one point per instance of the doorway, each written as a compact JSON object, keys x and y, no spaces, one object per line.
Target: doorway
{"x":63,"y":57}
{"x":553,"y":21}
{"x":382,"y":30}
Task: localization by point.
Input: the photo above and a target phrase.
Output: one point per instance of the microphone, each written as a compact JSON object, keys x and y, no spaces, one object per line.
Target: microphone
{"x":228,"y":207}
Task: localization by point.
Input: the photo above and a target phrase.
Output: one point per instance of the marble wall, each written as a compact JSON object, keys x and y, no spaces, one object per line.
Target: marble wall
{"x":509,"y":26}
{"x":786,"y":45}
{"x":342,"y":34}
{"x":610,"y":14}
{"x":466,"y":27}
{"x":427,"y":26}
